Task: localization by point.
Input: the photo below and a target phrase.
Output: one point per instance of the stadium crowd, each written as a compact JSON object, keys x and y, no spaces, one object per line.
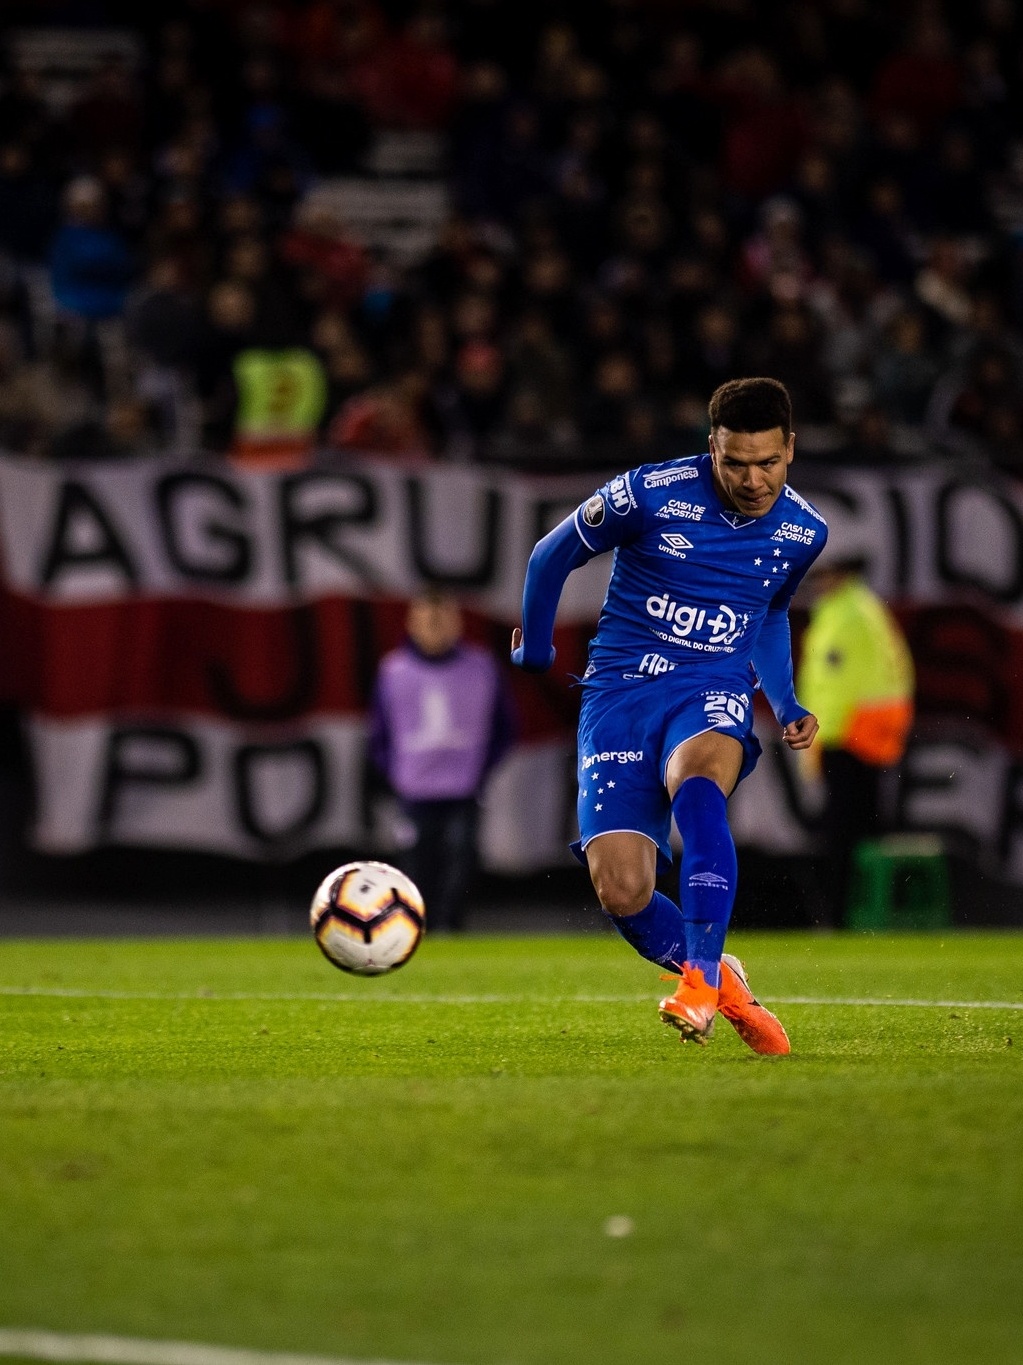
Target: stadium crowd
{"x":645,"y":198}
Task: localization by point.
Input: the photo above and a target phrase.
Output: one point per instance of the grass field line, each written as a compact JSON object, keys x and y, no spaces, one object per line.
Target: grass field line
{"x":350,"y":997}
{"x":104,"y":1350}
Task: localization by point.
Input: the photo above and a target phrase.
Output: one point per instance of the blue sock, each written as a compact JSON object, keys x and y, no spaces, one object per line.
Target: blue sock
{"x":657,"y":933}
{"x":709,"y":871}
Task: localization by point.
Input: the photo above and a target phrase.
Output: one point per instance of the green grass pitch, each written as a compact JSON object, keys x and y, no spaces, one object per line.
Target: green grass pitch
{"x":229,"y":1141}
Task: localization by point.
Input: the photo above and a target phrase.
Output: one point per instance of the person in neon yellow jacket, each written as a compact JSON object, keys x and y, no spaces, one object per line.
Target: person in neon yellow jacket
{"x":856,"y":675}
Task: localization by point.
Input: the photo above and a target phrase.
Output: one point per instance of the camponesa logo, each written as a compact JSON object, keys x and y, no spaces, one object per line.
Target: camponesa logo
{"x":620,"y":495}
{"x":806,"y":506}
{"x":614,"y":756}
{"x":674,"y":543}
{"x":724,"y":625}
{"x":661,"y":478}
{"x":789,"y":530}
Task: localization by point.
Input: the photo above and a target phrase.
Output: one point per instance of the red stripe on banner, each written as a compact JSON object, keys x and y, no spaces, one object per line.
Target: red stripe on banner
{"x":264,"y":665}
{"x":252,"y":665}
{"x":188,"y":656}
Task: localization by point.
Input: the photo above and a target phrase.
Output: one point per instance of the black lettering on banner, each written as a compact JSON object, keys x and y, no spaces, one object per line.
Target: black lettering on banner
{"x":960,"y":656}
{"x":1006,"y":583}
{"x":478,"y":575}
{"x":246,"y":765}
{"x":1011,"y":830}
{"x":141,"y":757}
{"x":783,"y":761}
{"x":231,"y":557}
{"x":78,"y":510}
{"x":903,"y":560}
{"x":302,"y":663}
{"x":356,"y":506}
{"x":548,"y":513}
{"x":918,"y":773}
{"x":365,"y":652}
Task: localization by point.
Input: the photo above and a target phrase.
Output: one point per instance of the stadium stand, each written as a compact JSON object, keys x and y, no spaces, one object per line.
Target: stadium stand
{"x":529,"y":235}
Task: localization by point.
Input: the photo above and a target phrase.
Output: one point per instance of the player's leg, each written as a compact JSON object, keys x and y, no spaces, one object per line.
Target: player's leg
{"x":425,"y":860}
{"x":625,"y":820}
{"x":458,"y":849}
{"x":701,"y":774}
{"x":623,"y":869}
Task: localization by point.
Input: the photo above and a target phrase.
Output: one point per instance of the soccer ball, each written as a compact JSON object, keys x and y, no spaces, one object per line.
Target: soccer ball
{"x":367,"y":917}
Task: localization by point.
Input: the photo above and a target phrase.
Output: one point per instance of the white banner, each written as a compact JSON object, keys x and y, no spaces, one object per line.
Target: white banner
{"x":192,"y":647}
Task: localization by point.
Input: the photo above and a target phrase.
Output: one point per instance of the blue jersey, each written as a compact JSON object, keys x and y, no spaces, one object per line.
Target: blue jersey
{"x":692,"y":580}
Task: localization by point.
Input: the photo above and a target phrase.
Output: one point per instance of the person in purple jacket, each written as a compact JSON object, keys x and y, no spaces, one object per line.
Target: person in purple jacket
{"x":441,"y":720}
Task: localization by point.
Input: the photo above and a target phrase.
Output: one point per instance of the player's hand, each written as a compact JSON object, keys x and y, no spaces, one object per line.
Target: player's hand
{"x":519,"y":659}
{"x":799,"y":734}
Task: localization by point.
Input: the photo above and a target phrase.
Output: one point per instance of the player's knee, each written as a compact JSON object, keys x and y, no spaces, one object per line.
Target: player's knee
{"x":623,"y":890}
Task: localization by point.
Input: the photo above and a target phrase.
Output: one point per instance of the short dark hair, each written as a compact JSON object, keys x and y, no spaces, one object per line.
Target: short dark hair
{"x":751,"y":405}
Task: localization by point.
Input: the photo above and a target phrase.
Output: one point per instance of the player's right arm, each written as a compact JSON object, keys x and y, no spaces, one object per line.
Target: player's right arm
{"x":611,"y":517}
{"x":552,"y":560}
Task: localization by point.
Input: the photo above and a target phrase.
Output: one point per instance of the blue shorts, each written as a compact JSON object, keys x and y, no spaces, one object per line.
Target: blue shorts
{"x":627,"y":734}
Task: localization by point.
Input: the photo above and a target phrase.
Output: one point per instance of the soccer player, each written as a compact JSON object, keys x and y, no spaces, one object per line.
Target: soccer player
{"x":708,"y":552}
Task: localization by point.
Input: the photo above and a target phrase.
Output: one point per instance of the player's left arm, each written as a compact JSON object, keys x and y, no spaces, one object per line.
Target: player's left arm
{"x":772,"y":659}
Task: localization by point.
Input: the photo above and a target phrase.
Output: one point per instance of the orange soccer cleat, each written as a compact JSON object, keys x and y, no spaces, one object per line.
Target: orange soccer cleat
{"x":755,"y":1025}
{"x":693,"y":1006}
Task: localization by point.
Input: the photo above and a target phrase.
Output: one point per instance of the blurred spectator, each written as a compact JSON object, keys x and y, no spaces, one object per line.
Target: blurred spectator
{"x":765,"y":131}
{"x":528,"y":437}
{"x":884,"y":229}
{"x":689,"y":192}
{"x":470,"y":407}
{"x":28,"y":207}
{"x":108,"y":114}
{"x":441,"y":720}
{"x":41,"y":397}
{"x":905,"y":369}
{"x":615,"y":387}
{"x":281,"y":397}
{"x":856,"y":672}
{"x":385,"y":420}
{"x":923,"y":80}
{"x":942,"y":286}
{"x":410,"y":79}
{"x":963,"y":401}
{"x":540,"y":365}
{"x":688,"y":427}
{"x":790,"y":350}
{"x":871,"y":441}
{"x":126,"y":430}
{"x":774,"y":257}
{"x":90,"y":263}
{"x":226,"y":331}
{"x":713,"y":355}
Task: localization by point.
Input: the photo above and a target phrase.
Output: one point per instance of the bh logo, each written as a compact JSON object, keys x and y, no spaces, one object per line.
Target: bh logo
{"x":621,"y":497}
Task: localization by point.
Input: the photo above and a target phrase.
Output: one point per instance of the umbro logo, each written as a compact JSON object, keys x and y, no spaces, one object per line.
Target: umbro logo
{"x":676,"y":540}
{"x":707,"y":879}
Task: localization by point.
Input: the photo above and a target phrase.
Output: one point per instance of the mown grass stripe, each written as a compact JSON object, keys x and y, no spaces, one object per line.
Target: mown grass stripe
{"x":872,"y":1002}
{"x":106,"y":1350}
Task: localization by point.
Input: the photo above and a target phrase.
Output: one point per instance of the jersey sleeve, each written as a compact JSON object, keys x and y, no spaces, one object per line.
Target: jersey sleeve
{"x":772,"y":654}
{"x":613,"y":516}
{"x":552,"y":560}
